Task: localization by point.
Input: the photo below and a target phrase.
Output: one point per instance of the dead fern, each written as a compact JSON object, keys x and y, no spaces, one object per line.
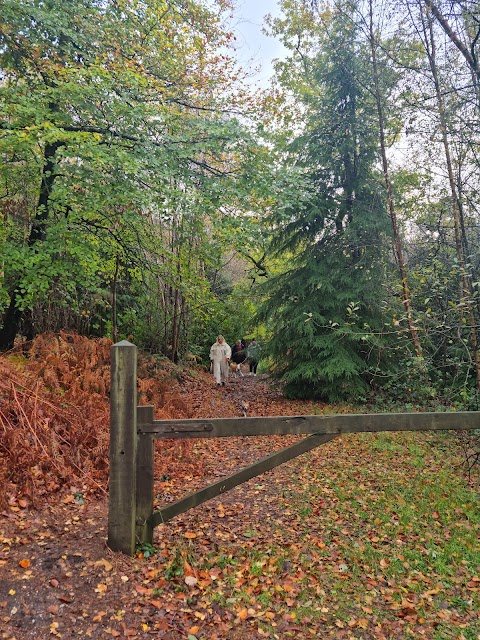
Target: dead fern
{"x":54,"y":415}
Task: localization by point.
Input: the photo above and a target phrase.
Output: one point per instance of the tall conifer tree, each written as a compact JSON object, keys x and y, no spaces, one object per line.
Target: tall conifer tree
{"x":324,"y":313}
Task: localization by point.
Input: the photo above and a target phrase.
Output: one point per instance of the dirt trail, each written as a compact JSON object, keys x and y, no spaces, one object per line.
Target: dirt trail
{"x":209,"y":401}
{"x":222,"y":456}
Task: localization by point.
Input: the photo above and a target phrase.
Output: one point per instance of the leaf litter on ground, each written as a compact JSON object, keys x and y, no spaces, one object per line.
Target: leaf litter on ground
{"x":369,"y":536}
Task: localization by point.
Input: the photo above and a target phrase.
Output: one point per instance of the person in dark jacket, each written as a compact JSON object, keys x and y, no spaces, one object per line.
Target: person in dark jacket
{"x":238,"y":356}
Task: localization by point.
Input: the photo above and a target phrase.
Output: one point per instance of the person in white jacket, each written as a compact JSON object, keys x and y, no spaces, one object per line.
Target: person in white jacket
{"x":220,"y":354}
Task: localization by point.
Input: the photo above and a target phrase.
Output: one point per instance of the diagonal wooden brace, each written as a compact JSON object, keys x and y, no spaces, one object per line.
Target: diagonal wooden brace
{"x":218,"y":488}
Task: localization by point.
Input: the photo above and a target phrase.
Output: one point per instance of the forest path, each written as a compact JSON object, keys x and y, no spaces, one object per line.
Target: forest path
{"x":59,"y":579}
{"x":220,"y":457}
{"x":264,"y":398}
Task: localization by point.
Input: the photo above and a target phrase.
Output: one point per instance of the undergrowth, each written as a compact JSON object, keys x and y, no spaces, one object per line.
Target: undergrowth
{"x":54,"y":414}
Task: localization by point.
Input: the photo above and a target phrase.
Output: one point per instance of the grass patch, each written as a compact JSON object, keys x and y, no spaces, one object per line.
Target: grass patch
{"x":377,"y":538}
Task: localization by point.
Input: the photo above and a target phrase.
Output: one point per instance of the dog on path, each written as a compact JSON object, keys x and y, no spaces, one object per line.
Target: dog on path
{"x":245,"y":407}
{"x":235,"y":368}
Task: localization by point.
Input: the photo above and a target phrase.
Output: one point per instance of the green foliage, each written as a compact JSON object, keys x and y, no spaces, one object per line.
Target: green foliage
{"x":125,"y":167}
{"x":146,"y":549}
{"x":228,"y":313}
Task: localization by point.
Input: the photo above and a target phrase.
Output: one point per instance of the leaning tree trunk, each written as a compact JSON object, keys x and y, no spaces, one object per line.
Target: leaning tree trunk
{"x":397,"y":242}
{"x":465,"y":285}
{"x":468,"y":53}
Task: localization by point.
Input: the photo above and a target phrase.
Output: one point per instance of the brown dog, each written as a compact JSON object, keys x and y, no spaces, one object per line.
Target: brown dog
{"x":235,"y":368}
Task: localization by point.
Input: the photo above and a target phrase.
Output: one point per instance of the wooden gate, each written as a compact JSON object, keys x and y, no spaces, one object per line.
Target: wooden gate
{"x":131,"y":517}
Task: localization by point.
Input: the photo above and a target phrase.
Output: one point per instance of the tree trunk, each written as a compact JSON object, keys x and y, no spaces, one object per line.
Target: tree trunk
{"x":468,"y":54}
{"x":397,"y":242}
{"x":13,"y":315}
{"x":114,"y":300}
{"x":466,"y":298}
{"x":175,"y":327}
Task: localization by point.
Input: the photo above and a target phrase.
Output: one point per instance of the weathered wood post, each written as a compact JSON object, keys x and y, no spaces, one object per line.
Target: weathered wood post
{"x":145,"y":477}
{"x":123,"y":447}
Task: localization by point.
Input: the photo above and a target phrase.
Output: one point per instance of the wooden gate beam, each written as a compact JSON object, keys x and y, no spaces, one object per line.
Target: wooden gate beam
{"x":220,"y":487}
{"x":132,"y":430}
{"x":325,"y":424}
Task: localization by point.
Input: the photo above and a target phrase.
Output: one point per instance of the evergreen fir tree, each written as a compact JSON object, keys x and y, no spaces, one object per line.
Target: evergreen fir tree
{"x":324,"y":313}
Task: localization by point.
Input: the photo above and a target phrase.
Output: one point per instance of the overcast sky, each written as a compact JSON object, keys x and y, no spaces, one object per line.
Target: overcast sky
{"x":251,"y":42}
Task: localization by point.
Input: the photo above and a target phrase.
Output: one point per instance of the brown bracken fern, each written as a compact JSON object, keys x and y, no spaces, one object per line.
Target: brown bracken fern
{"x":54,"y":414}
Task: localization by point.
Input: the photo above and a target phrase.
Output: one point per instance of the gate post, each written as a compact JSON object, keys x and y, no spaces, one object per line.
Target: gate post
{"x":145,"y":477}
{"x":123,"y":447}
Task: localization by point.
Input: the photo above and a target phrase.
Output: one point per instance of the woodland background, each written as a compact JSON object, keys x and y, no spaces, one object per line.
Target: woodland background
{"x":148,"y":192}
